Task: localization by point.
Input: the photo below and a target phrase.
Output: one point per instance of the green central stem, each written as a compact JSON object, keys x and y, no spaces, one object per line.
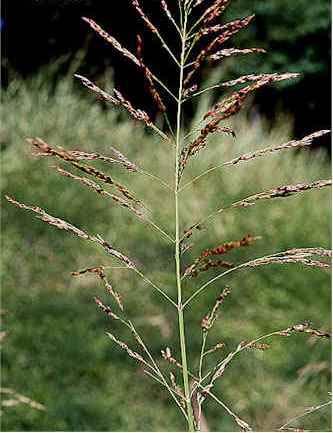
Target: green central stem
{"x":182,"y":338}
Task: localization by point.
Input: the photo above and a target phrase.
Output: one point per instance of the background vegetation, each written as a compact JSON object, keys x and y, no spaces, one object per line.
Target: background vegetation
{"x":297,"y":34}
{"x":56,"y":351}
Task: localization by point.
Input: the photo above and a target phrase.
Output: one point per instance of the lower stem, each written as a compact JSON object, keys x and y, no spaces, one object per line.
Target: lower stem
{"x":181,"y":325}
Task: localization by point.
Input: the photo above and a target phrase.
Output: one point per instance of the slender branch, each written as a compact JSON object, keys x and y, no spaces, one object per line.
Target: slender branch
{"x":160,"y":230}
{"x":244,"y":425}
{"x":155,"y":365}
{"x":307,"y":412}
{"x":170,"y":16}
{"x":172,"y":393}
{"x":154,"y":30}
{"x":158,"y":179}
{"x":169,"y":126}
{"x":158,"y":289}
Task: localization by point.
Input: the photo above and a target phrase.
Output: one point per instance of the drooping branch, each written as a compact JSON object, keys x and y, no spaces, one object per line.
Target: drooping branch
{"x":282,"y":191}
{"x":304,"y":256}
{"x":293,"y":144}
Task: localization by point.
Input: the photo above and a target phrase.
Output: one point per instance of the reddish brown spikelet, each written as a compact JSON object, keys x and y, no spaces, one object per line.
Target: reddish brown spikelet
{"x":137,"y":114}
{"x":79,"y":155}
{"x":222,"y":111}
{"x":200,"y":143}
{"x":214,"y":11}
{"x":149,"y":79}
{"x":209,"y":320}
{"x":228,"y":246}
{"x":105,"y":308}
{"x":228,"y":31}
{"x":258,"y":346}
{"x":203,"y":265}
{"x":45,"y":148}
{"x":97,"y":188}
{"x":143,"y":16}
{"x":111,"y":40}
{"x":100,"y":272}
{"x":232,"y":104}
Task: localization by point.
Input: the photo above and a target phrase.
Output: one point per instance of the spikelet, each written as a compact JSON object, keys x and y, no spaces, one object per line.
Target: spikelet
{"x":178,"y":390}
{"x":209,"y":320}
{"x":45,"y":148}
{"x":165,"y":8}
{"x":149,"y":79}
{"x":232,"y":104}
{"x":293,"y":144}
{"x":131,"y":353}
{"x":296,"y":255}
{"x":228,"y":246}
{"x":119,"y":100}
{"x":106,"y":309}
{"x":200,"y":266}
{"x":229,"y":52}
{"x":222,"y":111}
{"x":113,"y":41}
{"x":228,"y":30}
{"x":119,"y":158}
{"x":201,"y":142}
{"x":100,"y":272}
{"x":137,"y":114}
{"x":202,"y":263}
{"x":125,"y":162}
{"x":276,"y":77}
{"x":282,"y":191}
{"x":64,"y":225}
{"x":198,"y":3}
{"x":258,"y":346}
{"x":15,"y":399}
{"x":167,"y":356}
{"x":214,"y":11}
{"x":217,"y":347}
{"x":99,"y":190}
{"x":101,"y":94}
{"x":150,"y":26}
{"x":49,"y":219}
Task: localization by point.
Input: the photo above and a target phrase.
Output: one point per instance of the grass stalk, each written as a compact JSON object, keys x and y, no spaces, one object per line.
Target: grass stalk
{"x":181,"y":324}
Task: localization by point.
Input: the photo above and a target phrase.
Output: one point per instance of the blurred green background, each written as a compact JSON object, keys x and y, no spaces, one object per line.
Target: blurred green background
{"x":56,"y":350}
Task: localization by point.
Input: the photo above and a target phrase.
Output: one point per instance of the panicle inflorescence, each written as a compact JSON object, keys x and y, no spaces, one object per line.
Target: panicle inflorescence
{"x":203,"y":38}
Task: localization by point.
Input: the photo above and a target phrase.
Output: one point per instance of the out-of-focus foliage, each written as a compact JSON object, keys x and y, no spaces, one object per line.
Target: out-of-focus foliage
{"x":56,"y":351}
{"x":295,"y":33}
